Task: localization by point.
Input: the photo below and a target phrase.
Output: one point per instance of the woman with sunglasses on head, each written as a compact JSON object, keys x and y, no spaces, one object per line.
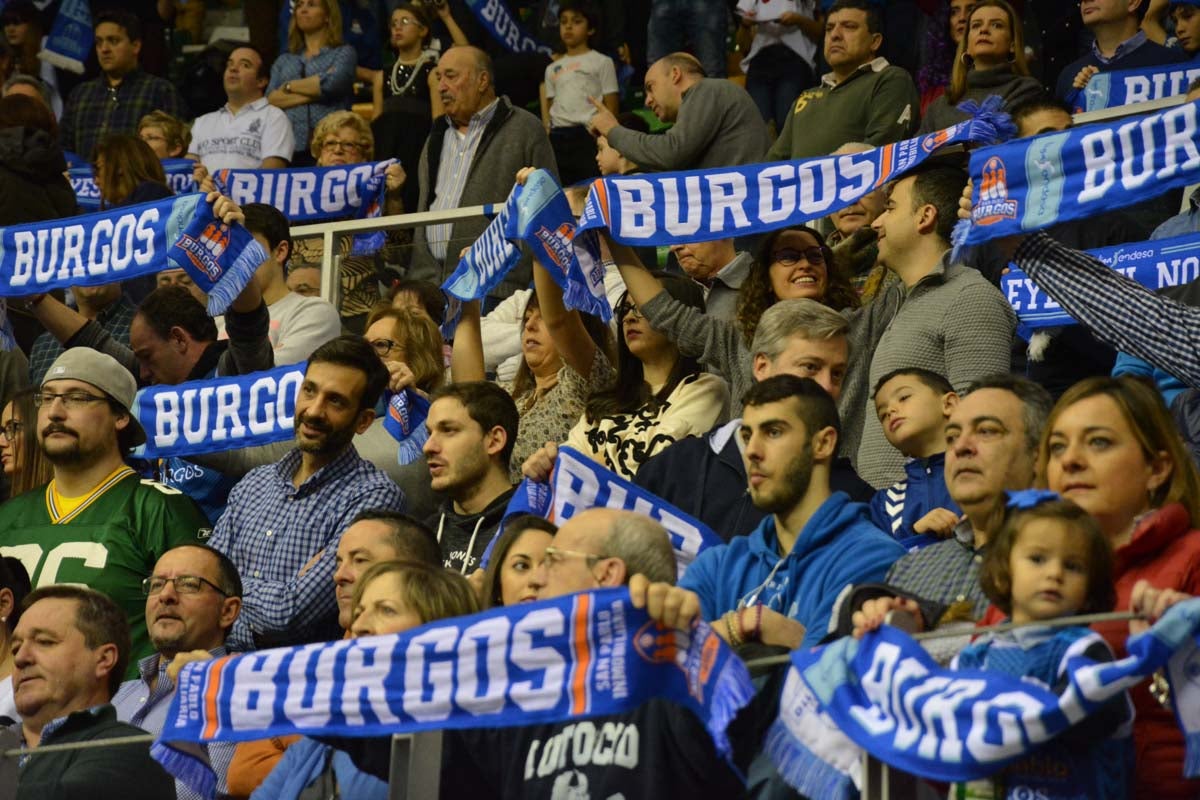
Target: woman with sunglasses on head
{"x":792,"y":263}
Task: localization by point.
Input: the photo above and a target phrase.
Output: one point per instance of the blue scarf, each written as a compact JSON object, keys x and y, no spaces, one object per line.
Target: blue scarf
{"x":579,"y":483}
{"x":589,"y":654}
{"x":667,"y":208}
{"x":879,"y":695}
{"x":71,"y":40}
{"x":1032,"y":183}
{"x":87,"y":193}
{"x":1127,"y":86}
{"x":405,"y":421}
{"x":127,"y":242}
{"x":1155,"y":264}
{"x":499,"y":22}
{"x":310,"y":194}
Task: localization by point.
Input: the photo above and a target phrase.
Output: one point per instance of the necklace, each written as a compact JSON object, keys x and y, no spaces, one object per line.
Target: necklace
{"x":397,"y":88}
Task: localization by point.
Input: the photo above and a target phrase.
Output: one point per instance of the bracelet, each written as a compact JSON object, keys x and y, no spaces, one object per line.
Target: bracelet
{"x":735,"y":638}
{"x":32,"y":303}
{"x":756,"y":632}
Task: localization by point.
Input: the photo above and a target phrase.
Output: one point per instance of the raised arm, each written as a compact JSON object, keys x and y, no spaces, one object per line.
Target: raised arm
{"x":466,"y":359}
{"x":576,"y":348}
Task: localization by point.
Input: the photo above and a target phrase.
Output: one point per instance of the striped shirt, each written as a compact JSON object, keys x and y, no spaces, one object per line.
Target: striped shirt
{"x":1119,"y":311}
{"x":458,"y":151}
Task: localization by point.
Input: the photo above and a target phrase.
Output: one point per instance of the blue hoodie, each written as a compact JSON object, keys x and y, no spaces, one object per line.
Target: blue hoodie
{"x":837,"y":547}
{"x":897,"y":508}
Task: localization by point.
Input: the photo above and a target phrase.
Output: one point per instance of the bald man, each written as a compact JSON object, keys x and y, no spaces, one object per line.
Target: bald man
{"x":716,"y":122}
{"x":478,"y":128}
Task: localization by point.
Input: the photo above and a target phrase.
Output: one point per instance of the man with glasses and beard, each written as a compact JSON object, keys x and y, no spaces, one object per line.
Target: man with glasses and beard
{"x":283,"y":521}
{"x":96,"y":523}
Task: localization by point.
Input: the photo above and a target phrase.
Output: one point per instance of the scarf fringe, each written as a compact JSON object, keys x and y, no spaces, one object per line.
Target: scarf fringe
{"x":804,"y":770}
{"x":190,"y":770}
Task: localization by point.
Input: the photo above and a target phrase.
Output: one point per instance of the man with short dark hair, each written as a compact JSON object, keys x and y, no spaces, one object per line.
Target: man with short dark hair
{"x":716,"y":124}
{"x":378,"y":535}
{"x":472,"y":429}
{"x":283,"y":521}
{"x":862,"y":99}
{"x":1119,"y":43}
{"x":70,"y":649}
{"x":192,"y":598}
{"x":96,"y":523}
{"x":121,"y":94}
{"x":247,"y":132}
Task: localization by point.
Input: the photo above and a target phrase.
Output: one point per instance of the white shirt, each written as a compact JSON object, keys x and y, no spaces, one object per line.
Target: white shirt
{"x":571,"y":80}
{"x":258,"y":131}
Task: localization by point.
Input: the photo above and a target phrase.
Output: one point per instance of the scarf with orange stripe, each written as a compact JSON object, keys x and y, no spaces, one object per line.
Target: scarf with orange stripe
{"x":586,"y":654}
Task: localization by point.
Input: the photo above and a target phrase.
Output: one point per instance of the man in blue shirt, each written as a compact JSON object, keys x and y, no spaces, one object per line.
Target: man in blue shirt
{"x":283,"y":521}
{"x":1120,"y":44}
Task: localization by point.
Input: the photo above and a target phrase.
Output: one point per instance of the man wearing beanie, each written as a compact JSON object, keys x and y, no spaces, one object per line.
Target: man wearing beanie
{"x":96,"y":523}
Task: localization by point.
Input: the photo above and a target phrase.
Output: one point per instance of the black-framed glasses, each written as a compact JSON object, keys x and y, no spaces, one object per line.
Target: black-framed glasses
{"x":628,"y":309}
{"x":73,"y":399}
{"x":790,"y":256}
{"x":184,"y":584}
{"x":383,"y":347}
{"x":11,"y":429}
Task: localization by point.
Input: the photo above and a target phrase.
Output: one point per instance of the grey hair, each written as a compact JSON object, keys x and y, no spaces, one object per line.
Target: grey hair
{"x":1036,"y":402}
{"x":643,"y":544}
{"x":20,"y":78}
{"x":801,"y":317}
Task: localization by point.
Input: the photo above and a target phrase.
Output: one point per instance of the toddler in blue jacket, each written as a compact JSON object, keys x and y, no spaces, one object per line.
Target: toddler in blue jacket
{"x":912,"y":405}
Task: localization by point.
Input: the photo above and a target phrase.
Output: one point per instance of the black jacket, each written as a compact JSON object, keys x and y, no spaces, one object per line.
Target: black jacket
{"x":464,"y":537}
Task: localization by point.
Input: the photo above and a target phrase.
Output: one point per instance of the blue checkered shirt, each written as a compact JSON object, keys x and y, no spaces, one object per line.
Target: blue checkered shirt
{"x":272,"y":529}
{"x":946,"y":572}
{"x":139,"y":704}
{"x":115,"y":319}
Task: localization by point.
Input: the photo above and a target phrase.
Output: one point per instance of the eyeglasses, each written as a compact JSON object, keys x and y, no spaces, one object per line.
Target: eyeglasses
{"x":628,"y":309}
{"x":555,"y":556}
{"x":184,"y":584}
{"x":10,"y":430}
{"x":70,"y":399}
{"x":790,"y":256}
{"x":338,"y":144}
{"x":383,"y":346}
{"x":404,"y":22}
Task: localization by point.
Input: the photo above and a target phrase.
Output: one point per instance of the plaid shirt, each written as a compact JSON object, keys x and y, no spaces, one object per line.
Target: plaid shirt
{"x":115,"y":319}
{"x":946,"y":572}
{"x":95,"y":109}
{"x":139,"y":704}
{"x":271,"y":529}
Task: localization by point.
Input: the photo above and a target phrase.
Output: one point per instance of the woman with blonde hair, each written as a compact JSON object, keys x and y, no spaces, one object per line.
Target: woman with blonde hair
{"x":167,"y":136}
{"x":1111,"y":446}
{"x":409,"y":343}
{"x":990,"y":60}
{"x":316,"y":75}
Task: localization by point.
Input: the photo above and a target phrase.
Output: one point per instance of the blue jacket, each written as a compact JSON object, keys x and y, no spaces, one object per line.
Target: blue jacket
{"x":838,"y":546}
{"x":305,"y":761}
{"x":897,"y":508}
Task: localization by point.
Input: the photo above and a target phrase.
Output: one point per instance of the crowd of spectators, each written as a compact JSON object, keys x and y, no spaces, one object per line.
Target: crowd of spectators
{"x":845,"y":404}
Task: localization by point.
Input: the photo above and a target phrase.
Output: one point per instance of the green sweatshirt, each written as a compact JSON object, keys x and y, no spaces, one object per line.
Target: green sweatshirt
{"x":877,"y":105}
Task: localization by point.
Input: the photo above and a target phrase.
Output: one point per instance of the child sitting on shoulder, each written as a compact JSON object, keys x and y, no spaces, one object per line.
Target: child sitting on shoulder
{"x":913,"y":405}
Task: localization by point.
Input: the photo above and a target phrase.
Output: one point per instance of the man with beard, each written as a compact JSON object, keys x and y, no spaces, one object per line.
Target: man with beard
{"x":778,"y":584}
{"x":192,"y":598}
{"x":283,"y":521}
{"x":96,"y":523}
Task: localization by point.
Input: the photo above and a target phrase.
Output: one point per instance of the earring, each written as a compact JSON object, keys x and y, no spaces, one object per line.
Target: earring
{"x":967,"y":60}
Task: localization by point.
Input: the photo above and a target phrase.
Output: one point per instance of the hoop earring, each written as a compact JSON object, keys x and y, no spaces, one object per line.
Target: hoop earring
{"x":967,"y":61}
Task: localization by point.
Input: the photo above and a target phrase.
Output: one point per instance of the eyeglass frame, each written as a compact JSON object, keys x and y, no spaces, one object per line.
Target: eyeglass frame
{"x":391,"y":345}
{"x":552,"y":556}
{"x":146,"y":583}
{"x":79,"y":399}
{"x":330,"y":144}
{"x":806,"y":254}
{"x":405,"y":22}
{"x":627,"y":308}
{"x":10,"y":430}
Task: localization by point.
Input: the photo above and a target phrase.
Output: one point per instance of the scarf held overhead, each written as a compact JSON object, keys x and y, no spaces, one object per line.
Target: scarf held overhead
{"x":500,"y":24}
{"x":886,"y":695}
{"x":128,"y":242}
{"x":1128,"y":86}
{"x":71,"y":38}
{"x":310,"y":194}
{"x":587,"y":654}
{"x":1155,"y":264}
{"x":1032,"y":183}
{"x":668,"y":208}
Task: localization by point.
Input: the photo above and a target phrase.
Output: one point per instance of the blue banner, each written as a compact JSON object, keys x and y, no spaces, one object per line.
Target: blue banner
{"x":579,"y":483}
{"x":886,"y":695}
{"x":127,"y":242}
{"x":71,"y":38}
{"x":1155,"y":264}
{"x":1128,"y":86}
{"x":667,"y":208}
{"x":582,"y":655}
{"x":499,"y":22}
{"x":87,"y":193}
{"x":1032,"y":183}
{"x":310,"y":194}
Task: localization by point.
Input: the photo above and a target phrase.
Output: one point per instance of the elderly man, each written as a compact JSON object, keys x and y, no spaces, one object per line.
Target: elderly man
{"x":617,"y":755}
{"x":469,"y":159}
{"x":70,"y":649}
{"x":192,"y":598}
{"x":716,"y":122}
{"x":97,"y":523}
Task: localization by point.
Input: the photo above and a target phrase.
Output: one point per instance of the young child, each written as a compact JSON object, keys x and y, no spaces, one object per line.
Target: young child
{"x":570,"y":83}
{"x":608,"y":159}
{"x":1051,"y":560}
{"x":913,"y":405}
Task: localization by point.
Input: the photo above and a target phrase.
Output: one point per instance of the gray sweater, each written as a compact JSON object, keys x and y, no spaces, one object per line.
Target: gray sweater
{"x":513,"y":139}
{"x":718,"y":125}
{"x":953,"y":322}
{"x":981,"y":84}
